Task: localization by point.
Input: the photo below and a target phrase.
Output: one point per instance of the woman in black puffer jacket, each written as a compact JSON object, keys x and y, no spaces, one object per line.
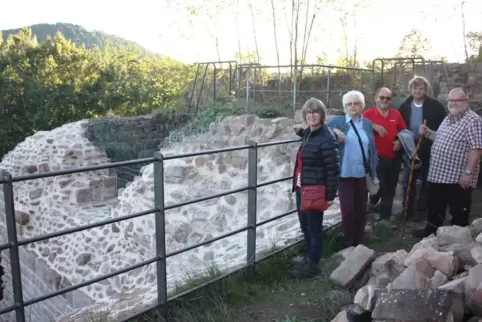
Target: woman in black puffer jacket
{"x":317,"y":163}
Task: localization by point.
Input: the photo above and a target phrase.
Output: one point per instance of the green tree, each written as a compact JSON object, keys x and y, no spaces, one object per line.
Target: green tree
{"x":475,"y":43}
{"x":414,"y":44}
{"x":44,"y":85}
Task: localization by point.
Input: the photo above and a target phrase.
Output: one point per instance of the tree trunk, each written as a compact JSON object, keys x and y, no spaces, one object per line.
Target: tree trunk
{"x":308,"y":33}
{"x":464,"y":31}
{"x":291,"y":32}
{"x":276,"y":46}
{"x":345,"y":37}
{"x":305,"y":33}
{"x":216,"y":40}
{"x":236,"y":17}
{"x":254,"y":33}
{"x":295,"y":45}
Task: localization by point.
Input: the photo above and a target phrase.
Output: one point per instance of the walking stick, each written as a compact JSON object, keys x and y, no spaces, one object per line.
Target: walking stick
{"x":412,"y":166}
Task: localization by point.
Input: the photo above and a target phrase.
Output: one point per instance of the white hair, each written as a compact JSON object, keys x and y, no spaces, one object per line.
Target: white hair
{"x":459,"y":90}
{"x":350,"y":96}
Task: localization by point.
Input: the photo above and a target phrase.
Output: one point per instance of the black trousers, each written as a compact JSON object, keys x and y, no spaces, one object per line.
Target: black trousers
{"x":439,"y":196}
{"x":415,"y":205}
{"x":388,"y":171}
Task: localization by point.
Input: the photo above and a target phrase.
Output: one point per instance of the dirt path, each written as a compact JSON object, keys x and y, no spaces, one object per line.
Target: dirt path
{"x":320,"y":300}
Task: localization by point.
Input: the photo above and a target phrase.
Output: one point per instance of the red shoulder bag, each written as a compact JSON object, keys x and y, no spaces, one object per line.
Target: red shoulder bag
{"x":313,"y":198}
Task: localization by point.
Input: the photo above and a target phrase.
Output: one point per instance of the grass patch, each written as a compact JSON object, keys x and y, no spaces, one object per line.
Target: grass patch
{"x":222,"y":300}
{"x":222,"y":107}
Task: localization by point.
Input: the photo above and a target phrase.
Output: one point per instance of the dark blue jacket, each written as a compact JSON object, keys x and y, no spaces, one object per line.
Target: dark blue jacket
{"x":320,"y":160}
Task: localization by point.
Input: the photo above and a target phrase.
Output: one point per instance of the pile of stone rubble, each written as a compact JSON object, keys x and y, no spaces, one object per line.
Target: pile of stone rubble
{"x":440,"y":279}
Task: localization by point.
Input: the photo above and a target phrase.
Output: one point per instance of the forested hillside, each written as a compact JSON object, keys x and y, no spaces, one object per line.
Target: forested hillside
{"x":79,"y":36}
{"x":46,"y":84}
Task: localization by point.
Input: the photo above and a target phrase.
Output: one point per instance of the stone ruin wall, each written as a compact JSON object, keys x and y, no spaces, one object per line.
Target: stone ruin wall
{"x":109,"y":138}
{"x":58,"y":203}
{"x":76,"y":190}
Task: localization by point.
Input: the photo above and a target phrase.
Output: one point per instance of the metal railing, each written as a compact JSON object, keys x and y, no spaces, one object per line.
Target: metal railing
{"x":249,"y":81}
{"x":159,"y":210}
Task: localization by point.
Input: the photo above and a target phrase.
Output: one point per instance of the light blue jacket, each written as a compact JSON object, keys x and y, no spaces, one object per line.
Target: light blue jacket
{"x":339,"y":122}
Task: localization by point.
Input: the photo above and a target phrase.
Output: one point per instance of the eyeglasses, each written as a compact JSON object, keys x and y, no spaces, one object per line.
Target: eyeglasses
{"x":385,"y":98}
{"x":457,"y":101}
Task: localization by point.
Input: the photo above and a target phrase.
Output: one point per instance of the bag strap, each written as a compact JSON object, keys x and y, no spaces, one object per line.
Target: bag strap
{"x":365,"y":162}
{"x":303,"y":144}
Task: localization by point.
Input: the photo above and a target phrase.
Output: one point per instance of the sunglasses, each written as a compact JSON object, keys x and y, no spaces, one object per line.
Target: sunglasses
{"x":385,"y":98}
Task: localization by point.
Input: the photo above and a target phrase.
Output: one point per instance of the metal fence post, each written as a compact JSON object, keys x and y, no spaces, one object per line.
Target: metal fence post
{"x":361,"y":81}
{"x":12,"y":239}
{"x":252,"y":199}
{"x":160,"y":233}
{"x":247,"y":88}
{"x":328,"y":86}
{"x":238,"y":87}
{"x":295,"y":86}
{"x":214,"y":80}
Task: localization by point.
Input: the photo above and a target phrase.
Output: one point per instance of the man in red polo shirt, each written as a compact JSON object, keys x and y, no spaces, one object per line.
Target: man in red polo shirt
{"x":387,"y":122}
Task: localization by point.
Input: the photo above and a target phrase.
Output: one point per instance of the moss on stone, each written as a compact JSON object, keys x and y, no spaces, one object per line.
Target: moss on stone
{"x":130,"y":138}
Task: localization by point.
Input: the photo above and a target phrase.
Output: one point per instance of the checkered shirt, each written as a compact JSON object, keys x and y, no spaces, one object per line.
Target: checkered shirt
{"x":455,"y":137}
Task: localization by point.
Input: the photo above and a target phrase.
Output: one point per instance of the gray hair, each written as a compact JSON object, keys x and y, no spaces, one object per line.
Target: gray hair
{"x":459,"y":90}
{"x":314,"y":105}
{"x":418,"y":81}
{"x":380,"y":89}
{"x":353,"y":96}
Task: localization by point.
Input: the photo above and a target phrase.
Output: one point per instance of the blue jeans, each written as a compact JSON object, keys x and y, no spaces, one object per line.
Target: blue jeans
{"x":311,"y":223}
{"x":413,"y":204}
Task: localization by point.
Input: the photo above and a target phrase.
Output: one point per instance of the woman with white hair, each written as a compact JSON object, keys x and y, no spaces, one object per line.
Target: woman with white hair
{"x":315,"y":181}
{"x":358,"y":158}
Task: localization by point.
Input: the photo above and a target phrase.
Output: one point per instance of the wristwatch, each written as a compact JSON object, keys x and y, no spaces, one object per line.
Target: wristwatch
{"x":467,"y":172}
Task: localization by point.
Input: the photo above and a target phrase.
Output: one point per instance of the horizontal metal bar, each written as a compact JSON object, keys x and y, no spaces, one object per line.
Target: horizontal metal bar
{"x":264,"y":222}
{"x":267,"y":183}
{"x":92,"y":281}
{"x":316,"y":65}
{"x":218,"y":195}
{"x":128,"y":170}
{"x":292,"y":91}
{"x":400,"y":58}
{"x":217,"y":62}
{"x":5,"y":246}
{"x":84,"y":227}
{"x":78,"y":170}
{"x":212,"y":240}
{"x":193,"y":154}
{"x":263,"y":145}
{"x":130,"y":162}
{"x":250,"y":65}
{"x":8,"y":309}
{"x":252,"y":90}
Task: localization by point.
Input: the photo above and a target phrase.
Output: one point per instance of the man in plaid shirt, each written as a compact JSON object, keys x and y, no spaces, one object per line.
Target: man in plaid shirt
{"x":454,"y":164}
